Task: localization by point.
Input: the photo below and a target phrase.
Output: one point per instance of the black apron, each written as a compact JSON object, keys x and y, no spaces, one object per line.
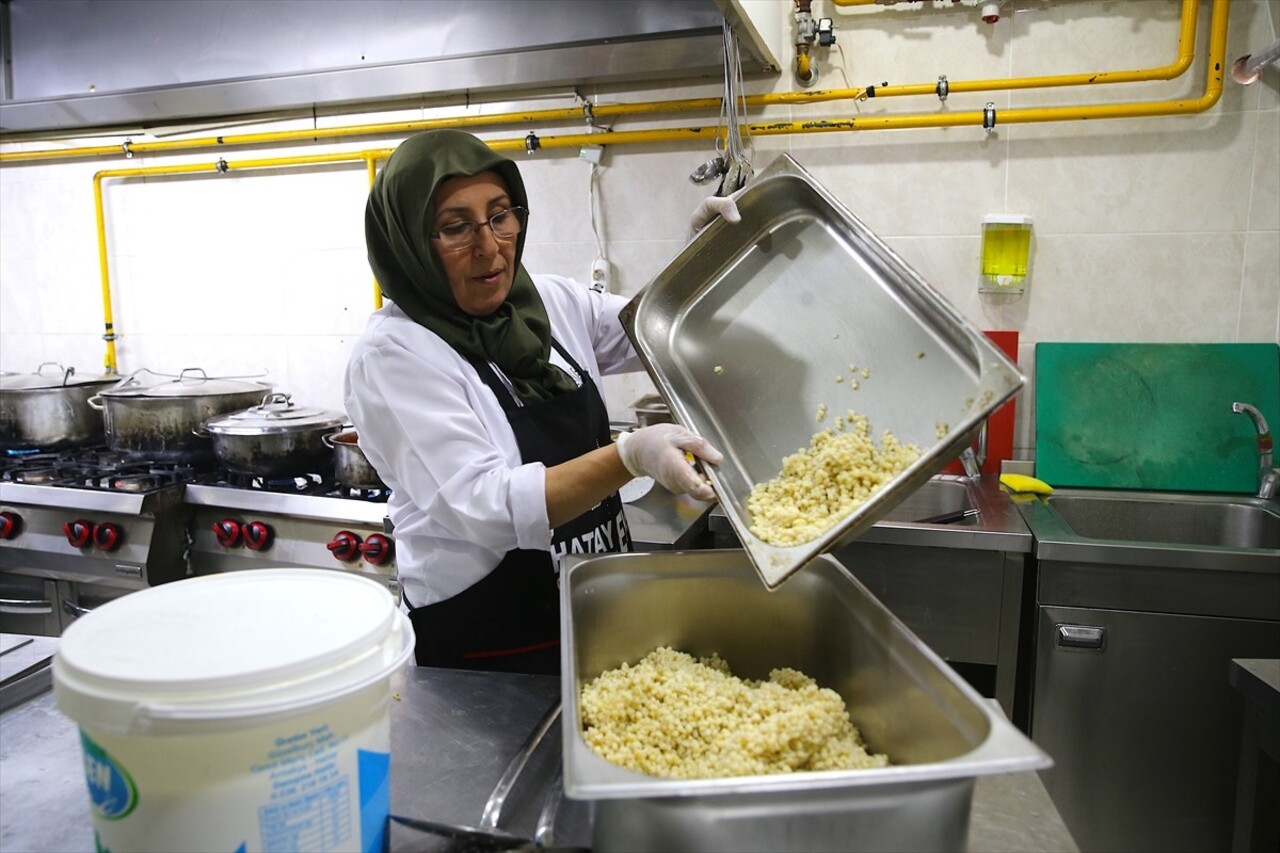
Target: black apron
{"x":510,"y":620}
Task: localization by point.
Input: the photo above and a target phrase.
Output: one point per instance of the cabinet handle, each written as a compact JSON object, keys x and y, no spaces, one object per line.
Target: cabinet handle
{"x":1080,"y":637}
{"x":25,"y":605}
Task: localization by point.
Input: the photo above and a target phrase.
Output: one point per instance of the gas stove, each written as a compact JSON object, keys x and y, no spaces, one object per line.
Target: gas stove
{"x":242,"y":522}
{"x":80,"y":527}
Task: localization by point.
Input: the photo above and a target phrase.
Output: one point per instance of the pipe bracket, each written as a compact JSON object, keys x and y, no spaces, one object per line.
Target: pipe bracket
{"x":989,"y":117}
{"x":125,"y":147}
{"x":943,"y":88}
{"x":222,"y":166}
{"x":532,"y":143}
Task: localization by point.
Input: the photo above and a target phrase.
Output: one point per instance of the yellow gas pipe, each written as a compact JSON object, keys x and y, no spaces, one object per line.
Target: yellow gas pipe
{"x":1210,"y":96}
{"x":1185,"y":55}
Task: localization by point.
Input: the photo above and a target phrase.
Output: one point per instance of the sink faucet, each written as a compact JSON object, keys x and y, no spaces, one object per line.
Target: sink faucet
{"x":1268,"y":475}
{"x":972,"y":459}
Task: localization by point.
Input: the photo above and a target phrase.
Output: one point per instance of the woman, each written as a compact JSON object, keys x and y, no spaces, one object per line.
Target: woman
{"x":475,"y":395}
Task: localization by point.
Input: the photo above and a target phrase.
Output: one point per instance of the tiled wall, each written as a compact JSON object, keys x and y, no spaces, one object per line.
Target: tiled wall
{"x":1147,"y":229}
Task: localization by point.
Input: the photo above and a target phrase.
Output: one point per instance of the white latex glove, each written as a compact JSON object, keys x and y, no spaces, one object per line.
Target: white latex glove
{"x":725,"y":207}
{"x":658,"y":451}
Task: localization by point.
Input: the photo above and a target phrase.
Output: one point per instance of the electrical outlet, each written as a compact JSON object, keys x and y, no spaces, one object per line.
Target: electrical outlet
{"x":600,"y":275}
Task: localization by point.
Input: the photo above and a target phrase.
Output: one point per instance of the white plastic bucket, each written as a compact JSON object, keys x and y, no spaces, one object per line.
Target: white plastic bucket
{"x":247,"y":712}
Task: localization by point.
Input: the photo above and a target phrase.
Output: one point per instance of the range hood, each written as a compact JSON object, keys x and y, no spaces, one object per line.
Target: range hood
{"x":78,"y":64}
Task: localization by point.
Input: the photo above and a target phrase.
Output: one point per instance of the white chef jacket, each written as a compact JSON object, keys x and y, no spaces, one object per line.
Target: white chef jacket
{"x":461,"y":497}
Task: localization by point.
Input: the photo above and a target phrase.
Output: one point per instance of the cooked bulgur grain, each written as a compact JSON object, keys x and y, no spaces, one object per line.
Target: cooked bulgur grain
{"x":676,"y":716}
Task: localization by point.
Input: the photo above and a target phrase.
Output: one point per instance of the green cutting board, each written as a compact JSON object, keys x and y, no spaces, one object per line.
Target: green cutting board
{"x":1152,"y":416}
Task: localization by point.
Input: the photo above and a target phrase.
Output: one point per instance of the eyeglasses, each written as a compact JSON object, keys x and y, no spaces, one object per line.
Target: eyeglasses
{"x":505,"y":225}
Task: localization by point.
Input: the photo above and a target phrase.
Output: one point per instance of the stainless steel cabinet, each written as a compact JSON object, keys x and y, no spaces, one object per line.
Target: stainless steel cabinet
{"x":965,"y":605}
{"x":1142,"y":723}
{"x":29,"y":605}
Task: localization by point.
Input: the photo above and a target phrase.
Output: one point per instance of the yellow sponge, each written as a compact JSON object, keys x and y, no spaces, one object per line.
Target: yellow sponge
{"x":1022,"y":483}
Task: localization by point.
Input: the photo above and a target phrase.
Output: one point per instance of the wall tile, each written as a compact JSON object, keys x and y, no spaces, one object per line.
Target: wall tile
{"x":1264,"y":188}
{"x":22,"y":352}
{"x":1138,"y":288}
{"x":911,"y":182}
{"x":1260,"y":291}
{"x":1165,"y":177}
{"x":315,"y":367}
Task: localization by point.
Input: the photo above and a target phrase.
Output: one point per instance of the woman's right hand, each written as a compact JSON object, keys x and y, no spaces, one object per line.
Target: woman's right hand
{"x":658,"y":451}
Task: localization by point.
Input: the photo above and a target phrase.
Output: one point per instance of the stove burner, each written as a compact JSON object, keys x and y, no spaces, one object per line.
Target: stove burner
{"x":362,"y":494}
{"x":97,"y":469}
{"x":36,"y":476}
{"x":303,"y":484}
{"x":134,"y":483}
{"x":318,"y":485}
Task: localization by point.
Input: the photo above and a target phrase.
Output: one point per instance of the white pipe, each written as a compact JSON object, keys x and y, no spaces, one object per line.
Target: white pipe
{"x":1250,"y":66}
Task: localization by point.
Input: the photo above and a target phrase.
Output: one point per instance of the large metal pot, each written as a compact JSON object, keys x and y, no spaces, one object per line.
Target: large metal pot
{"x":149,"y":419}
{"x":48,"y":410}
{"x":275,"y":438}
{"x":652,"y":409}
{"x":350,"y":466}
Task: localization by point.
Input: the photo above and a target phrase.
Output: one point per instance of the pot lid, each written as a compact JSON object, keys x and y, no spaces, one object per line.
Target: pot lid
{"x":276,"y":413}
{"x":52,"y":375}
{"x":192,"y":382}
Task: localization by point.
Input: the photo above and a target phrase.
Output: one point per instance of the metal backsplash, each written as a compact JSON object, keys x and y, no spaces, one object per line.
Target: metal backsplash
{"x":76,"y":64}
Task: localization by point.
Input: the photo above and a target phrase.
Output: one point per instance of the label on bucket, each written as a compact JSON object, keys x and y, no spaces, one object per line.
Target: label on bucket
{"x":112,"y":793}
{"x":311,"y":789}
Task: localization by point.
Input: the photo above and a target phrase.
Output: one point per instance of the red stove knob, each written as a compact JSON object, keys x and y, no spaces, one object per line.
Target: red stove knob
{"x":345,"y":545}
{"x":376,"y":549}
{"x":78,"y":532}
{"x":257,"y":536}
{"x":106,"y":536}
{"x":10,"y":524}
{"x":227,"y":532}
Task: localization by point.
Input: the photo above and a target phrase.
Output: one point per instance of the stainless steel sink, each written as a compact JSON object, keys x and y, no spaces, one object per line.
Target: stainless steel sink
{"x":1156,"y":528}
{"x":1228,"y":523}
{"x":935,"y":499}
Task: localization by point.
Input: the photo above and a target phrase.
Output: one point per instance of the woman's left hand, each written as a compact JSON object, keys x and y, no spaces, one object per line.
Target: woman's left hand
{"x":725,"y":208}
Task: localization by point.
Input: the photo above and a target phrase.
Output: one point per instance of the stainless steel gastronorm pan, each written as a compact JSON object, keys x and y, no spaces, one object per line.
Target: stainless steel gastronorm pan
{"x":938,"y":732}
{"x":755,"y":325}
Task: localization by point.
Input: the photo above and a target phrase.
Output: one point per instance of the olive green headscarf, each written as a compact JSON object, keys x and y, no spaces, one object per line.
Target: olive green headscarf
{"x":517,"y":336}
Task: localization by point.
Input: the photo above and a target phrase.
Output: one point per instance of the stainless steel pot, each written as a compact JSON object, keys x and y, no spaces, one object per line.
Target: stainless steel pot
{"x":48,"y":410}
{"x":652,"y":409}
{"x":350,"y":466}
{"x":150,"y":419}
{"x":274,"y":439}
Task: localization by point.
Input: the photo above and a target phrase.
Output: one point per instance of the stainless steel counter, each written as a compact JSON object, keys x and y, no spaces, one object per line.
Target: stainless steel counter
{"x":452,"y":736}
{"x":660,"y":520}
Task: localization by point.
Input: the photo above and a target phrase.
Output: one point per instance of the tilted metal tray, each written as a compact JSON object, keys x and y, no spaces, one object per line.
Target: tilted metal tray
{"x":755,"y":326}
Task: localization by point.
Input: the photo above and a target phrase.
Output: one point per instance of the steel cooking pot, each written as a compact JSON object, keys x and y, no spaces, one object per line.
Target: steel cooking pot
{"x":652,"y":409}
{"x":274,"y":439}
{"x":350,"y":466}
{"x":155,"y":416}
{"x":48,"y":409}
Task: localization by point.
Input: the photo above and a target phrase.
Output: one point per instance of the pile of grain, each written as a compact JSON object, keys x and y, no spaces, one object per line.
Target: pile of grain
{"x":821,"y":484}
{"x":676,"y":716}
